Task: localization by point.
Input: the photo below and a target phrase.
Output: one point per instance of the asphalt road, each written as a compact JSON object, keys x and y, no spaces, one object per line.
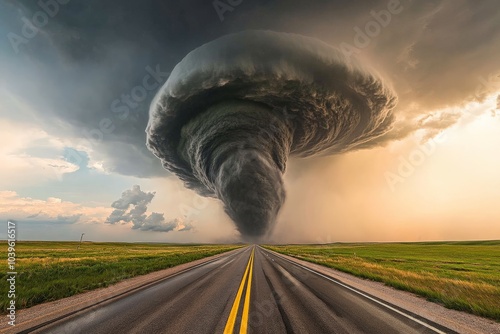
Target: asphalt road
{"x":252,"y":291}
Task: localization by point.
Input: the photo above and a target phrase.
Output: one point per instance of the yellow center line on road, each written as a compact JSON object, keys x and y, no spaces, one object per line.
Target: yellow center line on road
{"x":229,"y":329}
{"x":246,"y":306}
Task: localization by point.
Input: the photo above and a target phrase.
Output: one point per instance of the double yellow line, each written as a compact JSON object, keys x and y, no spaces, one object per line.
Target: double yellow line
{"x":247,"y":277}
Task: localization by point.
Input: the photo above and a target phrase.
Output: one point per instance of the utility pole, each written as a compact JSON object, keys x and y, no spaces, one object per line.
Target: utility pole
{"x":81,"y":238}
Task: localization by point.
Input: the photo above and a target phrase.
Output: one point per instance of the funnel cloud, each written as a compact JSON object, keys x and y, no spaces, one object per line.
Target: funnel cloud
{"x":234,"y":110}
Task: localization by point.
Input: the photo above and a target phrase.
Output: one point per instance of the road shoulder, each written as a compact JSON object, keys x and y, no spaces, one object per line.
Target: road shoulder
{"x":460,"y":322}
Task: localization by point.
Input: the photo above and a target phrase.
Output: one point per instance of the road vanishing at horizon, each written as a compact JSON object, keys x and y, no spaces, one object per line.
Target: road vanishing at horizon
{"x":252,"y":290}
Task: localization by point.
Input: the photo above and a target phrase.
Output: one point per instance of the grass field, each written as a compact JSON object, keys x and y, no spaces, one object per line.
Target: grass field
{"x":460,"y":275}
{"x":52,"y":270}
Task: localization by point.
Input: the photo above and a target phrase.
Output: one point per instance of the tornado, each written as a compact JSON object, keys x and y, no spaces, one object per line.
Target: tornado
{"x":234,"y":109}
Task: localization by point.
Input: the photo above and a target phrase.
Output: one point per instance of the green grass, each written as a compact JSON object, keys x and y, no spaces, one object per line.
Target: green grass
{"x":52,"y":270}
{"x":460,"y":275}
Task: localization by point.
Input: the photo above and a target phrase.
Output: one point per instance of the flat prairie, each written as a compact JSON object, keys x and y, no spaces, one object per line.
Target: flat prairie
{"x":47,"y":271}
{"x":459,"y":275}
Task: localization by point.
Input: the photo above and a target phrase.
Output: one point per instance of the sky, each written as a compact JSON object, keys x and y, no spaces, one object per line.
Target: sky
{"x":77,"y":80}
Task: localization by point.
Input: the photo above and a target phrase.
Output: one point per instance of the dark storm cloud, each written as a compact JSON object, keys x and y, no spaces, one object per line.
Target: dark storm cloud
{"x":92,"y":53}
{"x":233,"y":110}
{"x":131,"y":207}
{"x":85,"y":71}
{"x":436,"y":53}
